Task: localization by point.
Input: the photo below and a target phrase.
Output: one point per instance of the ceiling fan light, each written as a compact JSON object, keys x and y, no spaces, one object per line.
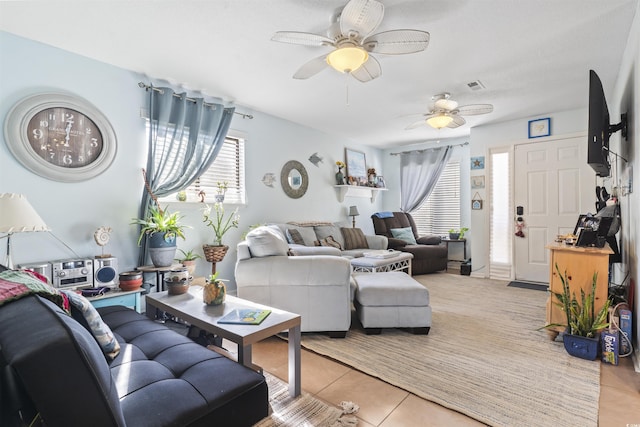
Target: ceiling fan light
{"x":347,"y":59}
{"x":439,"y":121}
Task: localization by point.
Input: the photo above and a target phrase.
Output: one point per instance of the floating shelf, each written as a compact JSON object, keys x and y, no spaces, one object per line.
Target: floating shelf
{"x":357,"y":191}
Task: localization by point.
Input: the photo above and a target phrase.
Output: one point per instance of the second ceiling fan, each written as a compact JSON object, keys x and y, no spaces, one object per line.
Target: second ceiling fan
{"x":350,"y":37}
{"x":445,"y":112}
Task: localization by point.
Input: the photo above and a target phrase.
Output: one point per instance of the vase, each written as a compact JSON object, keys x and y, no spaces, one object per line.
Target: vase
{"x":162,"y":249}
{"x":214,"y":293}
{"x":339,"y":178}
{"x":582,"y":347}
{"x":219,"y":198}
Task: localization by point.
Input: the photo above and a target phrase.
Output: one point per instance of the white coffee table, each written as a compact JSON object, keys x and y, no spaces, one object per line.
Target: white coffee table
{"x":190,"y":308}
{"x":366,"y":264}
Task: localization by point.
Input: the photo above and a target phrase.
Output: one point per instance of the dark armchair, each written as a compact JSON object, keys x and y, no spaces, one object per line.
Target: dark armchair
{"x":429,"y":255}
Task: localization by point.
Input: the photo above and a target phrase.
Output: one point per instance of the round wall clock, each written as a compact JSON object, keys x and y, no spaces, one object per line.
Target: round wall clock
{"x":60,"y":136}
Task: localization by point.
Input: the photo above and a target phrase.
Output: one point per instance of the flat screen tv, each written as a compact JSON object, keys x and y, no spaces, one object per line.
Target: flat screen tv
{"x":598,"y":151}
{"x":600,"y":128}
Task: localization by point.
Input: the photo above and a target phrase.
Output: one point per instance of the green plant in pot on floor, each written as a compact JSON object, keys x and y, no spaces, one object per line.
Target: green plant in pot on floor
{"x":582,"y":334}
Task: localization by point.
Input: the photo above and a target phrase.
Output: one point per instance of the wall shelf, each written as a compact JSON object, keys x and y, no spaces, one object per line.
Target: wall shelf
{"x":357,"y":191}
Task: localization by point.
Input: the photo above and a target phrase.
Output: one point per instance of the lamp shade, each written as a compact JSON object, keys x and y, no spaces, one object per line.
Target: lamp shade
{"x":347,"y":59}
{"x":439,"y":121}
{"x":17,"y":215}
{"x":353,"y":211}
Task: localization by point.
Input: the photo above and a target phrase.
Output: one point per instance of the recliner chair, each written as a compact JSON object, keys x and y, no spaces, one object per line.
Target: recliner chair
{"x":429,"y":255}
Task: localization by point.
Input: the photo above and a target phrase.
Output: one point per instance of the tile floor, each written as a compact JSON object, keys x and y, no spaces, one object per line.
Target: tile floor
{"x":382,"y":404}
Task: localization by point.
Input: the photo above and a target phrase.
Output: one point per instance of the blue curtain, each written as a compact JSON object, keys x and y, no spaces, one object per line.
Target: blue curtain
{"x":419,"y":174}
{"x":186,"y":134}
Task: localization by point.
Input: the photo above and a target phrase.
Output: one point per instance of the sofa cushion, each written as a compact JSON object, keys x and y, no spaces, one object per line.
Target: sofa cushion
{"x":267,"y":241}
{"x":354,"y":238}
{"x":324,"y":231}
{"x":308,"y":234}
{"x":405,"y":234}
{"x":294,"y":236}
{"x":429,"y":240}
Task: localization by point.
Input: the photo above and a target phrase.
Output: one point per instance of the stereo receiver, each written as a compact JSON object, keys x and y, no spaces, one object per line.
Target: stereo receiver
{"x":75,"y":273}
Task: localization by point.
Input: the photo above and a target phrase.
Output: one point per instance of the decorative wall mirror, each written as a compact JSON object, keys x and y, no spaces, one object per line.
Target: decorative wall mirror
{"x":294,"y":179}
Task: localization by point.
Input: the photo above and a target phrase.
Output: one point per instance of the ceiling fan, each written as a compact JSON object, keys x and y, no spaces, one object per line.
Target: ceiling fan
{"x":446,"y":113}
{"x":349,"y":35}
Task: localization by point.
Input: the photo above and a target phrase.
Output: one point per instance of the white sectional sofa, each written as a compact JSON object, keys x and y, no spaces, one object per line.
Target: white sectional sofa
{"x":313,"y":281}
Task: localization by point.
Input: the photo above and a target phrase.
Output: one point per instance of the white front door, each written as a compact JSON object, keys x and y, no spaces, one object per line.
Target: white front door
{"x":554,"y":185}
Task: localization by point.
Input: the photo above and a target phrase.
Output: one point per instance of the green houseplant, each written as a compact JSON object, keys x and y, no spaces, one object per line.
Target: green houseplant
{"x":457,"y":234}
{"x":581,"y":337}
{"x":220,"y":224}
{"x":162,"y":228}
{"x":188,"y":259}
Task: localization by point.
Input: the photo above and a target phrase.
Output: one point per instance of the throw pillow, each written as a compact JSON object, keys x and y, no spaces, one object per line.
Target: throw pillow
{"x":328,"y":241}
{"x":354,"y":238}
{"x":100,"y":330}
{"x":324,"y":231}
{"x":265,"y":241}
{"x":405,"y":234}
{"x":294,"y":236}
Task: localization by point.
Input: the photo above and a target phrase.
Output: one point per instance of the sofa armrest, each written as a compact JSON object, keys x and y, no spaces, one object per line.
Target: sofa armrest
{"x":430,"y":239}
{"x":396,"y":243}
{"x":376,"y":241}
{"x":243,"y":250}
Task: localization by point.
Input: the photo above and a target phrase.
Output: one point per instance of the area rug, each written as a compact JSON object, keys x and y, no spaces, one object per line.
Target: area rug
{"x":527,"y":285}
{"x":303,"y":410}
{"x":483,"y":357}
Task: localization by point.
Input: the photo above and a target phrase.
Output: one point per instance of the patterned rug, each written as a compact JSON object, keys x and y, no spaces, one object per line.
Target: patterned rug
{"x":303,"y":410}
{"x":484,"y":357}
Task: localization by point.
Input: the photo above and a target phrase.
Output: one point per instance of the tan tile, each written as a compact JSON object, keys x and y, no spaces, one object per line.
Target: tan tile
{"x":376,"y":398}
{"x":414,"y":411}
{"x":622,"y":376}
{"x":270,"y":353}
{"x":618,"y":407}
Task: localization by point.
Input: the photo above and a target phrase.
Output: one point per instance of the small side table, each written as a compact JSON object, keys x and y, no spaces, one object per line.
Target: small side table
{"x":118,"y":297}
{"x":464,"y":247}
{"x":160,"y":272}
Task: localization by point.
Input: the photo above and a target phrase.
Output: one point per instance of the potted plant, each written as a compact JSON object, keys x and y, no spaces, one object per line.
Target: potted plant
{"x":162,"y":228}
{"x":457,"y":234}
{"x":582,"y":330}
{"x":220,"y":225}
{"x":221,"y":190}
{"x":188,"y":259}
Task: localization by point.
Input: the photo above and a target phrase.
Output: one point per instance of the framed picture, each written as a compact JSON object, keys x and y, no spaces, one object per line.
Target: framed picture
{"x":477,"y":162}
{"x":356,"y":164}
{"x":381,"y":183}
{"x":477,"y":181}
{"x":539,"y":128}
{"x":476,"y":202}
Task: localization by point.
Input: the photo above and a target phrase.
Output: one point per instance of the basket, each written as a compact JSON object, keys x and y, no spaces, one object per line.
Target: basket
{"x":215,"y":253}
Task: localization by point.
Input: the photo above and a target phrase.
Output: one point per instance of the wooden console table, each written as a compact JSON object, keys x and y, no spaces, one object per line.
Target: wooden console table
{"x":580,"y":263}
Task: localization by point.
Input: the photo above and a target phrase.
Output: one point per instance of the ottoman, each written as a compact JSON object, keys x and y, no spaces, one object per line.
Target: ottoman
{"x":392,"y":300}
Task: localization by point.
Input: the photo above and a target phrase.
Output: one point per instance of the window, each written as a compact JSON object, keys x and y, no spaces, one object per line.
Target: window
{"x":441,"y":211}
{"x":227,"y":167}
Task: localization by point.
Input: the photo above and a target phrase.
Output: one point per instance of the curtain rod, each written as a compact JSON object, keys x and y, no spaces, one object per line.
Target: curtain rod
{"x":427,"y":149}
{"x":147,"y":87}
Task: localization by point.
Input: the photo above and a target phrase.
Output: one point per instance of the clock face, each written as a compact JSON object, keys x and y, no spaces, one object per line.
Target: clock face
{"x":64,"y":137}
{"x":60,"y":136}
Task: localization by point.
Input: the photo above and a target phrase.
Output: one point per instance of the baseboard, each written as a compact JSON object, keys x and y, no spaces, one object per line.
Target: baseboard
{"x":635,"y":357}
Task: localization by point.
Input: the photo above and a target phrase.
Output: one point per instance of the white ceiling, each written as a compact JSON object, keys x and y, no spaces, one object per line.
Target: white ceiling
{"x":532,"y":56}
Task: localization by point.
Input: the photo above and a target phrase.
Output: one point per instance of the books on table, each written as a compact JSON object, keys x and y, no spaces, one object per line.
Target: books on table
{"x":245,"y":316}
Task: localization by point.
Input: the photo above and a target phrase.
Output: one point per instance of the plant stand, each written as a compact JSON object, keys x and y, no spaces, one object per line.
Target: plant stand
{"x":214,"y":254}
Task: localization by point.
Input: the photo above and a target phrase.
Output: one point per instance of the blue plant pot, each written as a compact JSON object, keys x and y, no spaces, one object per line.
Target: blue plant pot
{"x":162,"y":249}
{"x":582,"y":347}
{"x":160,"y":240}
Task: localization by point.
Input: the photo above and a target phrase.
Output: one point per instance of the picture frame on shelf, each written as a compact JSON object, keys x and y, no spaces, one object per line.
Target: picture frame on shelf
{"x":539,"y":128}
{"x":381,"y":182}
{"x":356,"y":165}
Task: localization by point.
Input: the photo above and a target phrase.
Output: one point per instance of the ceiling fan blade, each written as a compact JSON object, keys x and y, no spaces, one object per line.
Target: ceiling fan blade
{"x":361,"y":17}
{"x":397,"y":42}
{"x":306,"y":39}
{"x":446,"y":104}
{"x":368,"y":71}
{"x":457,"y":121}
{"x":311,"y":68}
{"x":475,"y":109}
{"x":421,"y":122}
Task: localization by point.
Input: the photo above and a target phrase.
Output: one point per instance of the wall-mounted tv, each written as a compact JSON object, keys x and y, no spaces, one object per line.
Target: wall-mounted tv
{"x":599,"y":128}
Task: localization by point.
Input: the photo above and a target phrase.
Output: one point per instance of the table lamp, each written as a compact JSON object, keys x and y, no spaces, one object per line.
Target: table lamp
{"x":17,"y":216}
{"x":353,"y":212}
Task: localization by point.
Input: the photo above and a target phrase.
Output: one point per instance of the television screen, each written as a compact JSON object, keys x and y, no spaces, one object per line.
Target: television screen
{"x":598,"y":139}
